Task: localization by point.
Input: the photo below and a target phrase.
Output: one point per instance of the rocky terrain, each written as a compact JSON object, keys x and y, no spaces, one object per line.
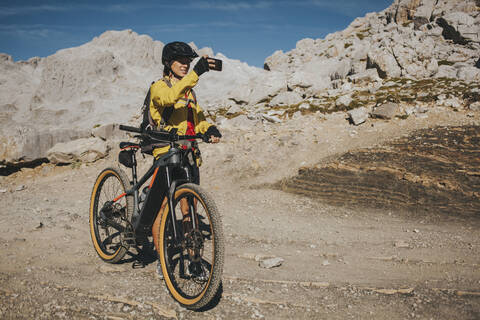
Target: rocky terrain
{"x":352,"y":159}
{"x":435,"y":169}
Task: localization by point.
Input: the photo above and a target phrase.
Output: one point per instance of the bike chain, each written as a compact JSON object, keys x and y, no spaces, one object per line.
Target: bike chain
{"x":127,"y":237}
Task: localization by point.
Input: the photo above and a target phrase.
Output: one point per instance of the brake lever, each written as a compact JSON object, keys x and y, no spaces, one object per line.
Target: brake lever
{"x":173,"y":134}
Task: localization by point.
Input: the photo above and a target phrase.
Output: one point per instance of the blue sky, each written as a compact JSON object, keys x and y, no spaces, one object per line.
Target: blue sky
{"x":246,"y":30}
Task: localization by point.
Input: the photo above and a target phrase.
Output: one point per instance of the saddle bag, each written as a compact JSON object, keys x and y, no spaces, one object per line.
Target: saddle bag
{"x":125,"y":157}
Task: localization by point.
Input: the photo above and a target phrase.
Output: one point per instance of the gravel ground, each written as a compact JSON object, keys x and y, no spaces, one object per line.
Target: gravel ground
{"x":338,"y":261}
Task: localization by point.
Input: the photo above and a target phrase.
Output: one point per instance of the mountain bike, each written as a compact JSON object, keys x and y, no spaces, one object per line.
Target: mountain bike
{"x":172,"y":208}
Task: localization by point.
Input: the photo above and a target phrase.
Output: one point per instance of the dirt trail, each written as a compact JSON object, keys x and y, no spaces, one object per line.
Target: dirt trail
{"x":339,"y":261}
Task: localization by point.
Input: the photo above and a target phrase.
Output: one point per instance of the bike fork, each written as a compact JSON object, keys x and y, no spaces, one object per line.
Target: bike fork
{"x":172,"y":186}
{"x":170,"y":195}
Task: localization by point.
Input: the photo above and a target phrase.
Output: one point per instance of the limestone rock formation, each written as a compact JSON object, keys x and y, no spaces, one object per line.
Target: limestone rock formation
{"x":413,"y":51}
{"x":408,"y":39}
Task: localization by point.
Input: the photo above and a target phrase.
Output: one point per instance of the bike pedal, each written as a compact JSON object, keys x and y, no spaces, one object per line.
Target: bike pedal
{"x":129,"y":238}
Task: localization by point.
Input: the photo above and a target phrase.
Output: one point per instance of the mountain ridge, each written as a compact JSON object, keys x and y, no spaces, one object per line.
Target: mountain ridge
{"x":104,"y":81}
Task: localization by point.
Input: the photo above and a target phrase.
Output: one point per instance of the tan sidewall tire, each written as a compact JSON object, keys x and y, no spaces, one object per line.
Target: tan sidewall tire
{"x":218,"y":244}
{"x":122,"y":177}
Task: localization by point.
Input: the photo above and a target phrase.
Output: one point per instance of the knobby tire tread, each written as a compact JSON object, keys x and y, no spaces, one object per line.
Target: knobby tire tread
{"x":219,"y":248}
{"x":96,"y":191}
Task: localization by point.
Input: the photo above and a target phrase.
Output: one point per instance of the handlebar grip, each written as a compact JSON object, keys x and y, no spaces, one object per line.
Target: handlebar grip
{"x":187,"y":137}
{"x":131,"y":129}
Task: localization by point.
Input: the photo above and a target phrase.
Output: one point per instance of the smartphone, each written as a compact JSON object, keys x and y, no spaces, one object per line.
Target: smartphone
{"x":218,"y":64}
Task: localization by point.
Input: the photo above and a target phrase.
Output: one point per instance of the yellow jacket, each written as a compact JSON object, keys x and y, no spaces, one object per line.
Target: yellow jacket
{"x":162,"y":96}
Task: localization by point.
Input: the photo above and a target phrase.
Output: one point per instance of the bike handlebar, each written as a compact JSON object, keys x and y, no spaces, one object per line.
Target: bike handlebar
{"x":161,"y":135}
{"x":131,"y":129}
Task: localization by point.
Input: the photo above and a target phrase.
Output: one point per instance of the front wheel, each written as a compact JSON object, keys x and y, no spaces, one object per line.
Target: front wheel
{"x":192,"y":263}
{"x":110,"y":213}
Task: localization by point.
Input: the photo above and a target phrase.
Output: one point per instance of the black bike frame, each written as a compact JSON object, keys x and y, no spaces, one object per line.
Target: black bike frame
{"x":142,"y":220}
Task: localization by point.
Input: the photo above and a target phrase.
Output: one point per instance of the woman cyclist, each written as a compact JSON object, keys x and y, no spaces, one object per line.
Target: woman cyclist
{"x":172,"y":97}
{"x":173,"y":105}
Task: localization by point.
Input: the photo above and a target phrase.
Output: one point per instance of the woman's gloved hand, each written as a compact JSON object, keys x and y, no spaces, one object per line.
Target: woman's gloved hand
{"x":201,"y":67}
{"x":212,"y":135}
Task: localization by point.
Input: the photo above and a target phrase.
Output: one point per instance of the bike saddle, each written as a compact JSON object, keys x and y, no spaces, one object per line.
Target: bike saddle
{"x":126,"y":144}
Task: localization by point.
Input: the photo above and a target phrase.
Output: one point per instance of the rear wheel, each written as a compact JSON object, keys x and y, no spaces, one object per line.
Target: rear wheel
{"x":110,"y":213}
{"x":192,"y":266}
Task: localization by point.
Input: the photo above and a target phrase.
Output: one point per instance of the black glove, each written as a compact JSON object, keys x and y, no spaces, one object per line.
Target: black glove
{"x":211,"y":131}
{"x":201,"y":66}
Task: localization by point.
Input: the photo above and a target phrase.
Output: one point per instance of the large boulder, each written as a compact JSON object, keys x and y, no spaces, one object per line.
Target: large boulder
{"x":423,"y":12}
{"x":259,"y":89}
{"x":385,"y":111}
{"x":385,"y":63}
{"x":80,"y":150}
{"x":358,"y":116}
{"x":288,"y":98}
{"x":27,"y":145}
{"x":367,"y":76}
{"x":445,"y":71}
{"x":238,"y":123}
{"x":276,"y":61}
{"x":108,"y":132}
{"x":469,"y":73}
{"x":267,"y":86}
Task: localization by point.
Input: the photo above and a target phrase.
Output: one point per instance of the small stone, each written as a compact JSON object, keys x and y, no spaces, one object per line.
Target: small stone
{"x":421,"y":116}
{"x":385,"y":111}
{"x":475,"y":106}
{"x":260,"y":257}
{"x":401,"y":244}
{"x":409,"y":110}
{"x":420,"y":109}
{"x":234,"y":110}
{"x":416,"y":230}
{"x":272,"y":118}
{"x":358,"y":116}
{"x":21,"y":187}
{"x":304,"y":106}
{"x":344,"y":101}
{"x":3,"y":190}
{"x":297,"y":115}
{"x":109,"y":269}
{"x":158,"y":271}
{"x":271,"y":263}
{"x":325,"y":263}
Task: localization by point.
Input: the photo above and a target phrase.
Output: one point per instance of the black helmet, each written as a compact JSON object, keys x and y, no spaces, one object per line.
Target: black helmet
{"x":177,"y":49}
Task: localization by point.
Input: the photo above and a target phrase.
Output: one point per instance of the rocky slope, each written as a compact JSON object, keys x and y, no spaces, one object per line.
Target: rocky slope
{"x":415,"y":54}
{"x":432,"y":170}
